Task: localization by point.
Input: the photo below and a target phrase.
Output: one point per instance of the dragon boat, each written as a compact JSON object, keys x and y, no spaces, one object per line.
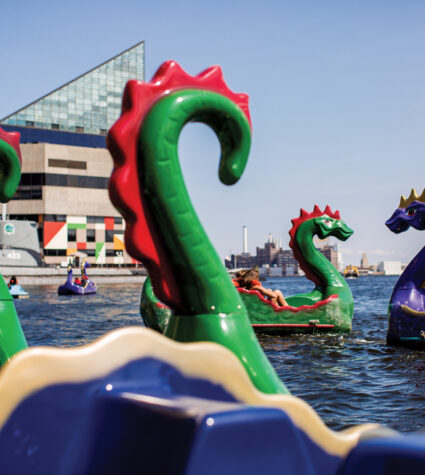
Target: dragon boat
{"x":213,"y":404}
{"x":328,"y":307}
{"x":78,"y":286}
{"x":406,"y":309}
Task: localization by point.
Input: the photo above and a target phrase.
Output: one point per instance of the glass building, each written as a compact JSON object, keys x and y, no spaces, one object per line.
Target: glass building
{"x":89,"y":104}
{"x":66,"y":165}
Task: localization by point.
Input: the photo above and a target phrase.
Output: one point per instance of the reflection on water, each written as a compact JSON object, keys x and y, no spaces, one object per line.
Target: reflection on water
{"x":348,"y":379}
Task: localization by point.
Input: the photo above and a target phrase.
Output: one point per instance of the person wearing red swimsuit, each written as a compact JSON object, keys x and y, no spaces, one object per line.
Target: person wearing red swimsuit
{"x":249,"y":280}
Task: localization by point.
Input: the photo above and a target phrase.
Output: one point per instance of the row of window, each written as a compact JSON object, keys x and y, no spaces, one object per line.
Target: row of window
{"x":55,"y":179}
{"x":61,"y":218}
{"x":57,"y":162}
{"x":91,"y":235}
{"x":89,"y":252}
{"x":28,"y":194}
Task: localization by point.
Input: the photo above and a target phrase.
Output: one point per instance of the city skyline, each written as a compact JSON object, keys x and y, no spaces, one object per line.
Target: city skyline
{"x":330,"y":241}
{"x":336,"y":99}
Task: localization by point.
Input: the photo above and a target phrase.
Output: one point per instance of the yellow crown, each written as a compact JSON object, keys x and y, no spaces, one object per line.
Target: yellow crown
{"x":413,"y":197}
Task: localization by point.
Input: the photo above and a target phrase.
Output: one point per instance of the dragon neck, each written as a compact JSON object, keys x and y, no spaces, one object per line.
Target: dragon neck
{"x":315,"y":265}
{"x":413,"y":274}
{"x":204,"y":284}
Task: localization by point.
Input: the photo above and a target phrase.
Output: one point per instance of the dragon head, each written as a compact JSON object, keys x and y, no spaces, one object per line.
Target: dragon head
{"x":327,"y":226}
{"x":410,"y":212}
{"x":326,"y":223}
{"x":323,"y":224}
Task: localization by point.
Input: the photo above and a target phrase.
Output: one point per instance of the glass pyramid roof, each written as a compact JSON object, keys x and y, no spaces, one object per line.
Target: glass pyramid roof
{"x":91,"y":103}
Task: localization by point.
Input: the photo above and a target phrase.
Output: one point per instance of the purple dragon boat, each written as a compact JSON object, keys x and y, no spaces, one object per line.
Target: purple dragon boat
{"x":406,"y":310}
{"x":79,"y":286}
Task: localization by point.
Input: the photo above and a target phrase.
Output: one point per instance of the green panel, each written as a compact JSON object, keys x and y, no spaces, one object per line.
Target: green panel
{"x":76,"y":226}
{"x":99,"y":248}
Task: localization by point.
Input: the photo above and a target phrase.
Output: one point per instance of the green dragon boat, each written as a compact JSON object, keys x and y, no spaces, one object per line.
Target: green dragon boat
{"x":328,"y":307}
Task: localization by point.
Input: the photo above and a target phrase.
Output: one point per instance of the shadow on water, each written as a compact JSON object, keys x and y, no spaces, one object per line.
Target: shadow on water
{"x":348,"y":379}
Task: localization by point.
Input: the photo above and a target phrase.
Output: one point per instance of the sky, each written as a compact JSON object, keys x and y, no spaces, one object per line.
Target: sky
{"x":337,"y":101}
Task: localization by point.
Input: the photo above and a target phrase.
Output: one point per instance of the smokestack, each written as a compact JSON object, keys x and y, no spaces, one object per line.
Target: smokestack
{"x":245,"y":239}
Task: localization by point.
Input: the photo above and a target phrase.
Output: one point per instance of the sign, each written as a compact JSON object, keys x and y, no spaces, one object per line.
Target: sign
{"x":9,"y":229}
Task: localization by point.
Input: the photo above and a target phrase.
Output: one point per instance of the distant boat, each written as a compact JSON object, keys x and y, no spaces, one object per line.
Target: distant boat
{"x":17,"y":292}
{"x":351,"y":272}
{"x":83,"y":286}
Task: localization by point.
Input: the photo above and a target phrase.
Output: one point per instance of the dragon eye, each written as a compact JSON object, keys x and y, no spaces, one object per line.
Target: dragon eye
{"x":411,"y":212}
{"x":327,"y":221}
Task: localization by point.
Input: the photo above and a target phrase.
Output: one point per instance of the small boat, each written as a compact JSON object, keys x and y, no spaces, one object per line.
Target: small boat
{"x":351,"y":272}
{"x":83,"y":286}
{"x":17,"y":292}
{"x":406,"y":309}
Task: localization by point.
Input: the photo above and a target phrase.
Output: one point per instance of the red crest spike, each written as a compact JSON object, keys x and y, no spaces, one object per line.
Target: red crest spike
{"x":317,"y":210}
{"x":328,"y":210}
{"x":303,"y":212}
{"x":336,"y":215}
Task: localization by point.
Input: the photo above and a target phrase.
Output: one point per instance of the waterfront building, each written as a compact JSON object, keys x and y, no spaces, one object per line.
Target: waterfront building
{"x":280,"y":261}
{"x":66,"y":165}
{"x":390,"y":267}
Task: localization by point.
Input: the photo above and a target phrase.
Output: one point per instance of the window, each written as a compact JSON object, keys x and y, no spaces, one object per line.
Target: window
{"x":72,"y":180}
{"x":55,"y":126}
{"x":91,"y":235}
{"x":72,"y":235}
{"x":109,"y":235}
{"x":118,"y":220}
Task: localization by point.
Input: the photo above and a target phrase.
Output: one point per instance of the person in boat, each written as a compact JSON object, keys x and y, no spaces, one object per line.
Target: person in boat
{"x":249,"y":280}
{"x":13,"y":281}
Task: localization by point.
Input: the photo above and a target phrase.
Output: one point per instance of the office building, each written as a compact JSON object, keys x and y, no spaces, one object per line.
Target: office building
{"x":66,"y":165}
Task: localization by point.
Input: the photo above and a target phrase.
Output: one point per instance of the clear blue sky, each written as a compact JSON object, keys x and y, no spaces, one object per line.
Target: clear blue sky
{"x":337,"y":99}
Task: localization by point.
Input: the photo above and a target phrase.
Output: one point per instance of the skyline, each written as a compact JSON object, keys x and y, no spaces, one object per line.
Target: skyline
{"x":336,"y":99}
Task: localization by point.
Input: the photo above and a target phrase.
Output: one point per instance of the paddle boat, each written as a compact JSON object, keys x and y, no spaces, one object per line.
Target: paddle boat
{"x":329,"y":307}
{"x":78,"y":286}
{"x":138,"y":402}
{"x":17,"y":292}
{"x":406,"y":309}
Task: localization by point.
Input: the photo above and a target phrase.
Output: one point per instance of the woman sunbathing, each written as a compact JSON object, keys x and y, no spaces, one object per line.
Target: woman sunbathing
{"x":249,"y":280}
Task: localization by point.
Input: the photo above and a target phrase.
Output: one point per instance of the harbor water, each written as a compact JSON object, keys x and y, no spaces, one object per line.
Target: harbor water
{"x":348,"y":379}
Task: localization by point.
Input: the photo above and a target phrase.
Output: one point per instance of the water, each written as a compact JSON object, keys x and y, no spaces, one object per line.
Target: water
{"x":348,"y":379}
